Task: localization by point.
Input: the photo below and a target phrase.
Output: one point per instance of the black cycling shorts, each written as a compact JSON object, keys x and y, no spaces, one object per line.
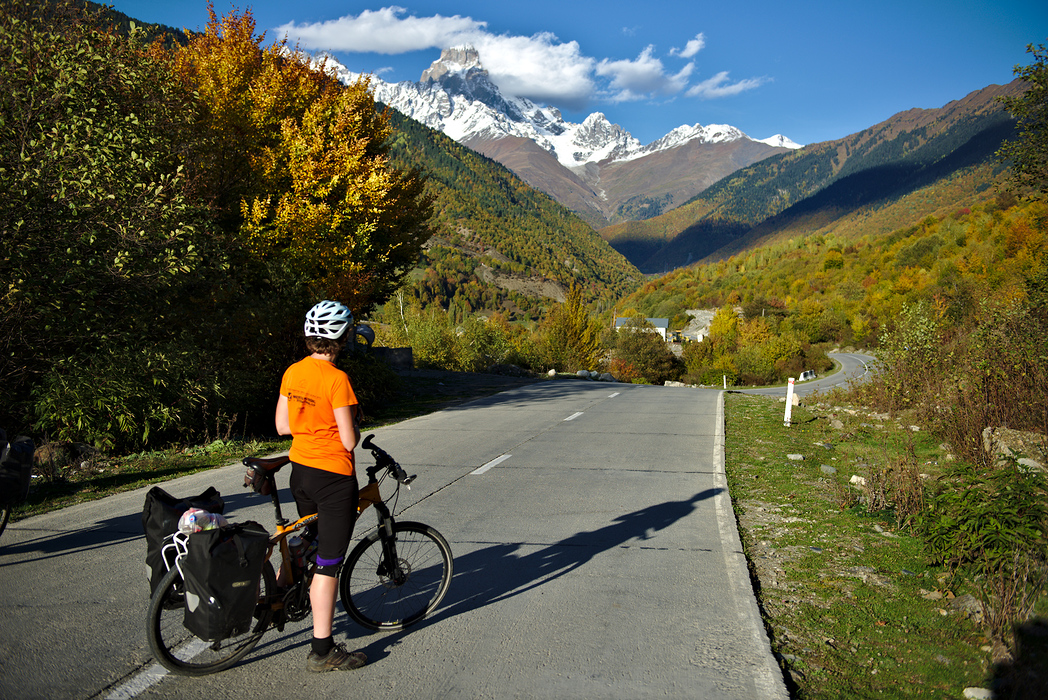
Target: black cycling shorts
{"x":334,"y":497}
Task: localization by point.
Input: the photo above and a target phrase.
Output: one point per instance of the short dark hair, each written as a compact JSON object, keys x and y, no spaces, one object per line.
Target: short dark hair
{"x":323,"y":346}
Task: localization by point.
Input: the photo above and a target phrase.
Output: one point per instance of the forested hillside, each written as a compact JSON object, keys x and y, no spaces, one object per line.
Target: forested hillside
{"x":485,"y":216}
{"x":816,"y":187}
{"x":847,"y":290}
{"x":170,"y":209}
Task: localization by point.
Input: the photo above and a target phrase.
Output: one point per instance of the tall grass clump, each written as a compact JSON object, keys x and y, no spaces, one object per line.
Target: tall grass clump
{"x":992,"y":526}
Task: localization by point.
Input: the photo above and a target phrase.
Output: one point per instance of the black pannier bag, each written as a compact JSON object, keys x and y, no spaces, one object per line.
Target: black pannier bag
{"x":160,"y":518}
{"x":16,"y":469}
{"x":222,"y":570}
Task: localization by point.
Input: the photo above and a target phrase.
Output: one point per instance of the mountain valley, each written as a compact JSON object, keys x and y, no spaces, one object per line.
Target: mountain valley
{"x":917,"y":163}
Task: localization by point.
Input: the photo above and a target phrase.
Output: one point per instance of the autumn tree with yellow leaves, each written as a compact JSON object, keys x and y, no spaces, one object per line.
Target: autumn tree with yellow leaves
{"x":168,"y":214}
{"x":294,"y":165}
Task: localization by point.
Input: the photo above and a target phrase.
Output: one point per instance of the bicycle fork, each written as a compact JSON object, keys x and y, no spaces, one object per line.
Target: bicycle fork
{"x":391,"y":568}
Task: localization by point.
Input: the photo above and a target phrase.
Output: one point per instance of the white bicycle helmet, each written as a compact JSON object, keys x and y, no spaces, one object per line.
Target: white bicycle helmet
{"x":328,"y":319}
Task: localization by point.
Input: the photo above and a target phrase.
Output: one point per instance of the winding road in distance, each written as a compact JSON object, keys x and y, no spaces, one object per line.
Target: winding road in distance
{"x":853,"y":366}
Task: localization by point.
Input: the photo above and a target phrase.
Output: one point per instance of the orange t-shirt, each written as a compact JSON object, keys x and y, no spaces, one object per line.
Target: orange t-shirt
{"x":314,"y":389}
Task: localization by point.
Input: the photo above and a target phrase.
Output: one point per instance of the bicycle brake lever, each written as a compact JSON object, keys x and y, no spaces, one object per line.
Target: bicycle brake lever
{"x":402,"y":476}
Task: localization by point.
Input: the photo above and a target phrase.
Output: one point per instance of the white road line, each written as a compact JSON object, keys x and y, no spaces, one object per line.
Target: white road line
{"x":573,"y":416}
{"x":138,"y":683}
{"x":611,"y":396}
{"x":489,"y":465}
{"x":153,"y":674}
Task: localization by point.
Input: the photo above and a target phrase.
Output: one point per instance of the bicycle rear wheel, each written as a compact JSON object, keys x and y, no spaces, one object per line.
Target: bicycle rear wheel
{"x":179,"y":650}
{"x":378,"y":595}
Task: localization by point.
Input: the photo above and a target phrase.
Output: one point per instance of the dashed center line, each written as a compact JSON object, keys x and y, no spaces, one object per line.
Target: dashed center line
{"x":489,"y":465}
{"x":573,"y":416}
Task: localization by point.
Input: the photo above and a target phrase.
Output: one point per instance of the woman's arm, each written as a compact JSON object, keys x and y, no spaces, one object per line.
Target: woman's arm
{"x":348,"y":432}
{"x":282,"y":421}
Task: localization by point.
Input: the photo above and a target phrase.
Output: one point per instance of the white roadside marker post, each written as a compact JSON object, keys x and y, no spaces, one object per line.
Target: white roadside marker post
{"x":789,"y":403}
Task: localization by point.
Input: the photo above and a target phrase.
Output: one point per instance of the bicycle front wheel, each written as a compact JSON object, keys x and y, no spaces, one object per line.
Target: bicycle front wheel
{"x":391,"y":595}
{"x":179,"y":650}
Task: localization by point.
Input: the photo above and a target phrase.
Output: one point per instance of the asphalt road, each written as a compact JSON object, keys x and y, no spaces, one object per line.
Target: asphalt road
{"x":853,"y":367}
{"x":599,"y":559}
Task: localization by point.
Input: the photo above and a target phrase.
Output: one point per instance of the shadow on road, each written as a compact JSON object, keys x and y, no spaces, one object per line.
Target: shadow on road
{"x":497,"y":572}
{"x":51,"y":544}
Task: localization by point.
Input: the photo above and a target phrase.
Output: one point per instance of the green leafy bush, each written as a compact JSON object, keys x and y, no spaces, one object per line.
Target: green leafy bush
{"x":118,"y":398}
{"x":979,"y":519}
{"x":644,"y":350}
{"x":993,"y":526}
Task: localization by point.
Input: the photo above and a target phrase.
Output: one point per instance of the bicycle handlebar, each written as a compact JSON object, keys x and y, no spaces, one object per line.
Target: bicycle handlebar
{"x":384,"y":461}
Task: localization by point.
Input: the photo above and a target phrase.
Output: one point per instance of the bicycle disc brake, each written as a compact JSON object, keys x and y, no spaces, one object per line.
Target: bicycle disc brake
{"x":396,"y":578}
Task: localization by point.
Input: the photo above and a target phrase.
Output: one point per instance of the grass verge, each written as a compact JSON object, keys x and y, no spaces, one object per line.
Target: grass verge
{"x":851,"y":605}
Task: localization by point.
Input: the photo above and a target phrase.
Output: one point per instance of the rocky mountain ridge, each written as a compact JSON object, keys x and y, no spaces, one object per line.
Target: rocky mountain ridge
{"x":916,"y":163}
{"x":582,"y":161}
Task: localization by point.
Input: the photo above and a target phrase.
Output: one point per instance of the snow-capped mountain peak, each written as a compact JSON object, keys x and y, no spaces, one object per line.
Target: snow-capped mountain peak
{"x":712,"y":133}
{"x":455,"y":95}
{"x":457,"y":59}
{"x":780,"y":141}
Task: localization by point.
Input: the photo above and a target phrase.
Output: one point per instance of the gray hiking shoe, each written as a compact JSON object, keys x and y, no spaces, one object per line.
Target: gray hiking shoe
{"x":338,"y":659}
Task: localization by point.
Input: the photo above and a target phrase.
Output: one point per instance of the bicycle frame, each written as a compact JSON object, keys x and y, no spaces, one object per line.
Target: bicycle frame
{"x":369,"y":496}
{"x":284,"y":528}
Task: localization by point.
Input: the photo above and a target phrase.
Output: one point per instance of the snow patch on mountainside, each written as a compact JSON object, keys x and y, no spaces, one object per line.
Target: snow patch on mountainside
{"x":456,"y":96}
{"x":780,"y":141}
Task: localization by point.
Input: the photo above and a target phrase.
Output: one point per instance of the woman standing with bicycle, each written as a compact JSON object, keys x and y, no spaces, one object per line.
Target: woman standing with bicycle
{"x":318,"y":408}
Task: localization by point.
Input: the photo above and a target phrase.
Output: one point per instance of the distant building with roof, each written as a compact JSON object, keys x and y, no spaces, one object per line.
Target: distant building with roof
{"x":662,"y":325}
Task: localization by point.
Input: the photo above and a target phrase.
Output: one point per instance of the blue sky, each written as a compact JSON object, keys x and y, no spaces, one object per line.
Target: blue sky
{"x":812,"y":71}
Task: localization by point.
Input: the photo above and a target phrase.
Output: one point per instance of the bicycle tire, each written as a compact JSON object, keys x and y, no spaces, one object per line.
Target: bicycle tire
{"x":179,"y":650}
{"x":374,"y":600}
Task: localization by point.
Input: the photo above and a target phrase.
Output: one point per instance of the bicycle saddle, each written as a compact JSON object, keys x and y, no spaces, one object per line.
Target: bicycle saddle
{"x":260,"y":471}
{"x":269,"y":464}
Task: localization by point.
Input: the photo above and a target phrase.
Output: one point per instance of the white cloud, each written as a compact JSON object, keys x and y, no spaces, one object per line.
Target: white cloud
{"x":718,"y":86}
{"x":642,"y":78}
{"x":692,"y":47}
{"x":384,"y":31}
{"x":539,"y":67}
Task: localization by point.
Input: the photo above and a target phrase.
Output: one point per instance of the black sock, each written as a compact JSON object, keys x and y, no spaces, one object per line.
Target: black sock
{"x":322,"y":647}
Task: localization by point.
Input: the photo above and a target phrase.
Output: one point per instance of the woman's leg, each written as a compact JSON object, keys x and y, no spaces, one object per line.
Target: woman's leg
{"x":322,"y":595}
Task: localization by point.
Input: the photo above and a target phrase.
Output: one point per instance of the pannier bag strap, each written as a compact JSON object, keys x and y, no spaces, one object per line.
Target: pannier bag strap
{"x":240,"y":550}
